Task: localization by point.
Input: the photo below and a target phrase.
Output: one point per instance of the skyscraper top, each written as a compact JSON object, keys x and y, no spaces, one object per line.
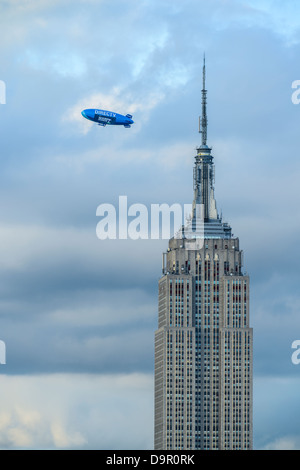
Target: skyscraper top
{"x":205,"y":221}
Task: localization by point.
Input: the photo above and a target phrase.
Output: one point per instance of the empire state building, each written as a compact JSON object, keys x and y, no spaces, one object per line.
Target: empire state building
{"x":203,"y":344}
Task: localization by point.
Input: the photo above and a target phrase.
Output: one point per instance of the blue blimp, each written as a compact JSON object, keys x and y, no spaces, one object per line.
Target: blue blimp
{"x":103,"y":118}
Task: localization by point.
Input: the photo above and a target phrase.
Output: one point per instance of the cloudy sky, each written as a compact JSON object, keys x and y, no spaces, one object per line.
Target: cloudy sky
{"x":78,"y":314}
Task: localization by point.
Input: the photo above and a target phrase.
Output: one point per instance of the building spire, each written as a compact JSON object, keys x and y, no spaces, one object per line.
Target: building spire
{"x":204,"y":116}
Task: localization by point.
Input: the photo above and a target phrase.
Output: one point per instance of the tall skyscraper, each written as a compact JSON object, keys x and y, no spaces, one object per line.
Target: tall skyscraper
{"x":203,"y":344}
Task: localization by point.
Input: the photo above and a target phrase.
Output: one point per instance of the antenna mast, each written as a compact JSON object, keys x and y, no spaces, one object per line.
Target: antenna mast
{"x":203,"y":119}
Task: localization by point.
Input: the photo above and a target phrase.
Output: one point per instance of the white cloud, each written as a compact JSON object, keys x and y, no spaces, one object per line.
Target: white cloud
{"x":63,"y":62}
{"x":117,"y":100}
{"x":280,"y":17}
{"x":63,"y":439}
{"x":76,"y":411}
{"x":284,"y":443}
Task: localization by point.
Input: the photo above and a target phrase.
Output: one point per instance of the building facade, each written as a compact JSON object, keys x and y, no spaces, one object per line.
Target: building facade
{"x":203,"y":344}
